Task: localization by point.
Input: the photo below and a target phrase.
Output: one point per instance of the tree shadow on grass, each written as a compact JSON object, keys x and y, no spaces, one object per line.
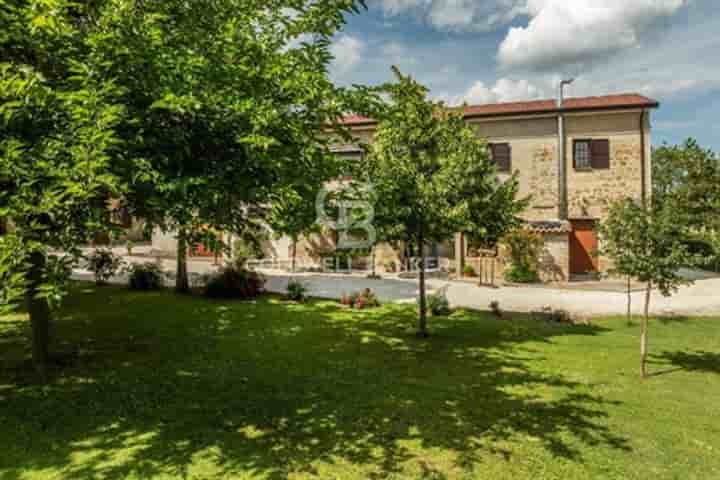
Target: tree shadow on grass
{"x":161,"y":385}
{"x":699,"y":361}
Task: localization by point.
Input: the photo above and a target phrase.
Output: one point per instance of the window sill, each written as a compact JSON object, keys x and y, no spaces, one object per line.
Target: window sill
{"x":586,"y":169}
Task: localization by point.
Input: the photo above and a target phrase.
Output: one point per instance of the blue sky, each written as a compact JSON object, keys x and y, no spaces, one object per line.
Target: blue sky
{"x":483,"y":51}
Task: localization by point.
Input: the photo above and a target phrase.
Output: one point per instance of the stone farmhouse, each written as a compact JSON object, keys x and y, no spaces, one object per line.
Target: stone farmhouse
{"x":574,"y":158}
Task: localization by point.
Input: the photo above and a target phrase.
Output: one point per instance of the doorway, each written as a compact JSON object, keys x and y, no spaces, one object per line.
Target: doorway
{"x":583,"y":247}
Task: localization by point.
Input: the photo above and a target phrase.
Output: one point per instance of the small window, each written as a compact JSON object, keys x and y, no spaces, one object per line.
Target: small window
{"x":502,"y":156}
{"x":583,"y":160}
{"x":591,"y":154}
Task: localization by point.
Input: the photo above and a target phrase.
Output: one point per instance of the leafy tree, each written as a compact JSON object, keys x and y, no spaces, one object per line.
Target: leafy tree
{"x":60,"y":150}
{"x":293,"y":213}
{"x":231,"y":106}
{"x":646,"y":243}
{"x":432,"y":175}
{"x":686,"y":178}
{"x":190,"y":112}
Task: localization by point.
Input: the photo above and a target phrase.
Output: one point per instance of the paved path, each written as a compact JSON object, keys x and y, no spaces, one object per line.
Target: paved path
{"x":702,"y":298}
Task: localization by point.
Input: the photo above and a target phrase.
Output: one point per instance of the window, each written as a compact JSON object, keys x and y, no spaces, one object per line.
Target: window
{"x":591,"y":154}
{"x":502,"y":156}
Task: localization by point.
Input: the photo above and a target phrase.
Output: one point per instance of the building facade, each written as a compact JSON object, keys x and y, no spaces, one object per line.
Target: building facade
{"x":606,"y":156}
{"x":573,"y":161}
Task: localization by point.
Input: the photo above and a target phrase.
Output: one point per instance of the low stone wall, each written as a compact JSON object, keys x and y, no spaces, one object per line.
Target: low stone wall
{"x":555,"y":258}
{"x":554,"y":261}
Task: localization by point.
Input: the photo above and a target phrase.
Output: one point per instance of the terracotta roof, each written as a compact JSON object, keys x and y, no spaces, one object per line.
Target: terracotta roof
{"x":356,"y":120}
{"x":607,"y":102}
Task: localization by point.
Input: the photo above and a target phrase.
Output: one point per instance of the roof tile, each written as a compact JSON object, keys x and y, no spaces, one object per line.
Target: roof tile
{"x":621,"y":101}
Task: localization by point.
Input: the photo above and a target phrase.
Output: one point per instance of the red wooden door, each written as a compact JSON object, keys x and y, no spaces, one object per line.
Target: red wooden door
{"x":583,"y":247}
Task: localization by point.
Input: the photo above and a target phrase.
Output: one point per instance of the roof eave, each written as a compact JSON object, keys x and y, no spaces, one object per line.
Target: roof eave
{"x":556,"y":111}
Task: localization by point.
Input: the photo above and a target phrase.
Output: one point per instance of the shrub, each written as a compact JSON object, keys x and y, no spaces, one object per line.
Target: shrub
{"x":296,"y":291}
{"x":703,"y":249}
{"x":495,"y":308}
{"x":232,"y":282}
{"x":520,"y":274}
{"x":469,"y":271}
{"x":145,"y":276}
{"x":361,"y":300}
{"x":524,"y":249}
{"x":438,"y":304}
{"x":391,"y":266}
{"x":245,"y":249}
{"x":104,"y":264}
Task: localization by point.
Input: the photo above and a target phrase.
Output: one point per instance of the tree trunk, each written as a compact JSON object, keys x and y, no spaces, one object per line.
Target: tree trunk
{"x":629,"y":302}
{"x":644,"y":333}
{"x":182,"y":285}
{"x":39,"y":312}
{"x":294,"y":253}
{"x":372,"y":259}
{"x":422,"y":320}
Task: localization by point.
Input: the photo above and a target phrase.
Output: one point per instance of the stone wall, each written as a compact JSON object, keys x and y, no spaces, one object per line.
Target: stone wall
{"x":555,"y":258}
{"x":534,"y":153}
{"x":590,"y":193}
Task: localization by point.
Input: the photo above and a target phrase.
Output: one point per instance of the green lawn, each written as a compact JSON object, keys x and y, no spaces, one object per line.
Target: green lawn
{"x":159,"y":386}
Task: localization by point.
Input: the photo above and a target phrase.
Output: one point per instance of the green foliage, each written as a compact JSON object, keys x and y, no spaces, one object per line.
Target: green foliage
{"x":646,"y":243}
{"x":524,"y":250}
{"x":649,"y":244}
{"x":432,"y":176}
{"x":469,"y":271}
{"x":248,"y":245}
{"x":293,"y":210}
{"x":438,"y":304}
{"x":59,"y":150}
{"x":12,"y":274}
{"x":104,"y":264}
{"x":188,"y":113}
{"x":296,"y":291}
{"x":145,"y":276}
{"x":686,"y":179}
{"x":233,"y":107}
{"x":234,"y":283}
{"x":520,"y":274}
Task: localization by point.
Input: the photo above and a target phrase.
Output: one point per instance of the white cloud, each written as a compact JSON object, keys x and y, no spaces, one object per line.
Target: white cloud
{"x":504,"y":90}
{"x":668,"y":88}
{"x":347,"y":52}
{"x":562,"y":32}
{"x":458,"y":15}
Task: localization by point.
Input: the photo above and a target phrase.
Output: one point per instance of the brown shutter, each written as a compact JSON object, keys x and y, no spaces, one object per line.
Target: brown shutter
{"x":501,"y":156}
{"x":600,"y":151}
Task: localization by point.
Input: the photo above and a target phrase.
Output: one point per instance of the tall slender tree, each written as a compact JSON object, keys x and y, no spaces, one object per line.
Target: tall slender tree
{"x":646,"y":243}
{"x":432,"y":176}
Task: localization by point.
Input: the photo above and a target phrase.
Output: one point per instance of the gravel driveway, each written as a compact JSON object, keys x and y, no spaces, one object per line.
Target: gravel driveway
{"x":702,"y":298}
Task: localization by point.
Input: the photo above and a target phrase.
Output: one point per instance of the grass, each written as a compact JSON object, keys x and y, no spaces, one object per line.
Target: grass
{"x":150,"y":385}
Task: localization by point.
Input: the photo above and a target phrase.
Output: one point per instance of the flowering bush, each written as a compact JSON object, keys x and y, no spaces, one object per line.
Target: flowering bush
{"x":361,"y":300}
